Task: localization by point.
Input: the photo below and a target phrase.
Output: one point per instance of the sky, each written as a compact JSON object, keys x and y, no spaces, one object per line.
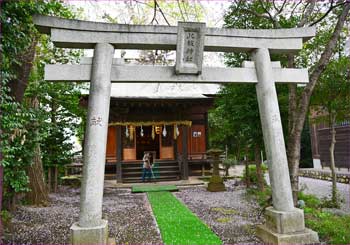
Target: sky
{"x":129,"y":12}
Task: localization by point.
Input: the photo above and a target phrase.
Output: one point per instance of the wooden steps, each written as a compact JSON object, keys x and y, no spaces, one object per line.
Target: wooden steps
{"x":162,"y":170}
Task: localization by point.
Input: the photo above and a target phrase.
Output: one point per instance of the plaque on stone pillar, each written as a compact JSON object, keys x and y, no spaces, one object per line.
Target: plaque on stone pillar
{"x":189,"y":49}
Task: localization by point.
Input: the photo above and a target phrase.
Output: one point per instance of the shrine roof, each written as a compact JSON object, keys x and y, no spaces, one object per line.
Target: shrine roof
{"x":162,"y":90}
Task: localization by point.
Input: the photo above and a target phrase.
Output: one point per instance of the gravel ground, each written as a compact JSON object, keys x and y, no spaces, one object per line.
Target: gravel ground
{"x":229,"y":214}
{"x":322,"y":188}
{"x":130,"y":219}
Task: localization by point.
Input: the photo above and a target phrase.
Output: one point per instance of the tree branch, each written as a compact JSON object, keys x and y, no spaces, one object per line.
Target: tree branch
{"x":255,"y":13}
{"x":182,"y":14}
{"x":328,"y":11}
{"x":278,"y":11}
{"x":295,"y":7}
{"x":320,"y":66}
{"x":274,"y":5}
{"x":154,"y":12}
{"x":161,"y":11}
{"x":266,"y":11}
{"x":308,"y":8}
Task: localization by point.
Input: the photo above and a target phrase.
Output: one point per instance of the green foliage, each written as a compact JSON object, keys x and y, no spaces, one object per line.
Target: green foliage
{"x":27,"y":124}
{"x":311,"y":201}
{"x":253,"y":177}
{"x":177,"y":224}
{"x":263,"y":198}
{"x":332,"y":93}
{"x":331,"y":228}
{"x":235,"y":121}
{"x":6,"y":217}
{"x":238,"y":124}
{"x":229,"y":162}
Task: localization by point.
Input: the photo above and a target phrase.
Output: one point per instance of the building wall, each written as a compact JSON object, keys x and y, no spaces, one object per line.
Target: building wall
{"x":321,"y":139}
{"x":161,"y":110}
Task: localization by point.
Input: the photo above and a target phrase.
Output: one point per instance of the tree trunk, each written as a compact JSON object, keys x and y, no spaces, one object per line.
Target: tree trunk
{"x":49,"y":180}
{"x":247,"y":174}
{"x":293,"y":154}
{"x":331,"y":151}
{"x":55,"y":179}
{"x":227,"y":171}
{"x":19,"y":85}
{"x":259,"y":172}
{"x":38,"y":194}
{"x":299,"y":110}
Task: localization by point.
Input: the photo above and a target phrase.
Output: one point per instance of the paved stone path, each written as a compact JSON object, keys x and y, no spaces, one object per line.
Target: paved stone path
{"x":322,"y":188}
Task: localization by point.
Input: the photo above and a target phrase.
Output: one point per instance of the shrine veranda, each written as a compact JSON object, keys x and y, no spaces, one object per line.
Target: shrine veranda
{"x":284,"y":222}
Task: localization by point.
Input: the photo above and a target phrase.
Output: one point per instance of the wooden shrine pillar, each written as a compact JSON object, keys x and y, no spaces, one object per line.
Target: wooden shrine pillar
{"x":119,"y":153}
{"x":206,"y":131}
{"x":176,"y":152}
{"x":184,"y":167}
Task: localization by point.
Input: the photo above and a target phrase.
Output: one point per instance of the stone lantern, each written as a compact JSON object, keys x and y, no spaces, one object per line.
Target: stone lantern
{"x":216,"y":183}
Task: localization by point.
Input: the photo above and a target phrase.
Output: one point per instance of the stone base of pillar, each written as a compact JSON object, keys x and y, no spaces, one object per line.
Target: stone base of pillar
{"x":306,"y":236}
{"x":285,"y":227}
{"x":90,"y":235}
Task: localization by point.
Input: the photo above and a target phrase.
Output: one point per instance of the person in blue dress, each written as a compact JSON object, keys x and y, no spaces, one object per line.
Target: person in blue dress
{"x":147,"y":167}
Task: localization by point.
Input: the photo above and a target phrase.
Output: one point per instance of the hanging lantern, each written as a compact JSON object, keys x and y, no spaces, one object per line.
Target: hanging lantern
{"x":158,"y":129}
{"x":132,"y":130}
{"x":141,"y":131}
{"x":164,"y":131}
{"x":175,"y":132}
{"x":126,"y":131}
{"x":153,"y":134}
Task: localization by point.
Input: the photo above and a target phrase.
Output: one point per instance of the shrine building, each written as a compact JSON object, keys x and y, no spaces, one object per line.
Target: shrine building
{"x":168,"y":120}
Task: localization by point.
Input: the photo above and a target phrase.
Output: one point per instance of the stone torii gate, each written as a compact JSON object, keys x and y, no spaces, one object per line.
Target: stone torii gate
{"x":284,"y":222}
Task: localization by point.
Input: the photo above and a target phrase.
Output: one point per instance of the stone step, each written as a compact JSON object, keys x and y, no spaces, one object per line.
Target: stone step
{"x":158,"y":172}
{"x":140,"y":168}
{"x":160,"y":178}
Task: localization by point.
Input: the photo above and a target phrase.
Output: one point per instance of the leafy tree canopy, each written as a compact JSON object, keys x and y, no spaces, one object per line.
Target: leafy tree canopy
{"x":49,"y":113}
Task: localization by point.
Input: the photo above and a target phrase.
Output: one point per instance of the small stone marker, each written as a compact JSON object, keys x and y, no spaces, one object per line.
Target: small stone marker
{"x":189,"y":49}
{"x":216,"y":183}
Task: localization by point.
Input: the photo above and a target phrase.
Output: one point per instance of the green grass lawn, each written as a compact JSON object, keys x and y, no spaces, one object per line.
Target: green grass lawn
{"x":151,"y":188}
{"x":177,"y":224}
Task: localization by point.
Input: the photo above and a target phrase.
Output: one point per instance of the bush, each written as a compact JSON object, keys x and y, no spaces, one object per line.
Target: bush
{"x":263,"y":198}
{"x":331,"y":228}
{"x":311,"y":201}
{"x":253,"y":178}
{"x":228,"y":163}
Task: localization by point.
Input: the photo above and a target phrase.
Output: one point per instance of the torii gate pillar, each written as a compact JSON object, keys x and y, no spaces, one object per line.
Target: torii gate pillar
{"x":91,"y":228}
{"x":284,"y":222}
